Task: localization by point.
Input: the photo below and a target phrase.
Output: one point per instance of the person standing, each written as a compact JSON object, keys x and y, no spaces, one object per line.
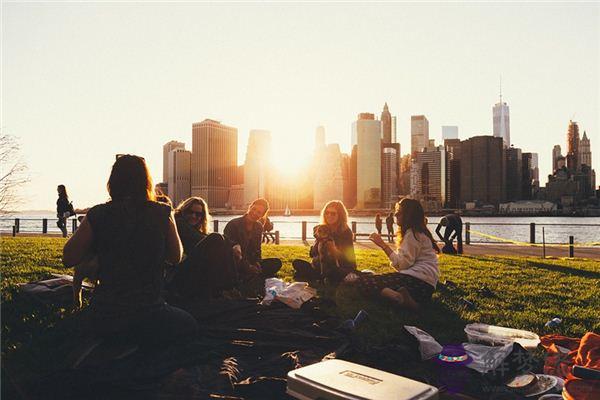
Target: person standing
{"x":245,"y":234}
{"x":378,"y":223}
{"x":389,"y":223}
{"x":64,"y":209}
{"x":453,"y":224}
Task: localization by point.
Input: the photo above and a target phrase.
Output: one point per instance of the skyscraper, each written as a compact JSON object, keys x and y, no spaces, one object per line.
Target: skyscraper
{"x":452,"y":147}
{"x":585,"y":152}
{"x":386,"y":125}
{"x":573,"y":158}
{"x":419,"y":133}
{"x":483,"y":170}
{"x":179,"y":173}
{"x":556,"y":154}
{"x":167,"y":147}
{"x":430,"y":177}
{"x":256,"y":167}
{"x":214,"y":161}
{"x":514,"y":174}
{"x":366,"y":135}
{"x":449,"y":132}
{"x":329,"y":179}
{"x":502,"y":122}
{"x":389,"y":175}
{"x":394,"y":133}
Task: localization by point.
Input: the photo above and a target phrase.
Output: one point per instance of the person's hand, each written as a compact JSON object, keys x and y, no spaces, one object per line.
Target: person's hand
{"x":254,"y":269}
{"x":237,"y":252}
{"x":376,"y":238}
{"x":330,"y":246}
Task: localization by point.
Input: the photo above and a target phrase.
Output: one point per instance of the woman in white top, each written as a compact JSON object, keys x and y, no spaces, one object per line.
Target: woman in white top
{"x":415,"y":260}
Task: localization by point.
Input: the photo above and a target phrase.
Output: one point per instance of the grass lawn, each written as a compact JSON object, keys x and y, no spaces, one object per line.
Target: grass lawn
{"x":526,"y":293}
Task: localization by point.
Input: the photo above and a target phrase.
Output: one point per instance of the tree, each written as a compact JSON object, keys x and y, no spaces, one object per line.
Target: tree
{"x":13,"y":173}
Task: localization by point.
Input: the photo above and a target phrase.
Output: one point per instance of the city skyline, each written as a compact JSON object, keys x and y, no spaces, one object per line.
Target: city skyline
{"x":128,"y":78}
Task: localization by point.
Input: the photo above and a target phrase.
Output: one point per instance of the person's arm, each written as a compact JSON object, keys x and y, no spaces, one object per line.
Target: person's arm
{"x":407,"y":253}
{"x":376,"y":238}
{"x":174,"y":246}
{"x":78,"y":245}
{"x":231,"y":232}
{"x":437,"y":230}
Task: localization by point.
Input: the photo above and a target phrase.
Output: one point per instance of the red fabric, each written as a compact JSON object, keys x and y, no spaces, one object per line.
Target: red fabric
{"x":584,"y":352}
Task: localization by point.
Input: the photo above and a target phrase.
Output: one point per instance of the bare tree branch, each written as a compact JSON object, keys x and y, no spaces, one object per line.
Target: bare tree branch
{"x":13,"y":173}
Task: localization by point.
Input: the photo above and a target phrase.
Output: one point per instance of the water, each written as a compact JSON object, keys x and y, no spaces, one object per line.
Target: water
{"x":291,"y":227}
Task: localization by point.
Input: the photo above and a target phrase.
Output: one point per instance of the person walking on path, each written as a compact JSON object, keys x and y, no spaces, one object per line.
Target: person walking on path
{"x":389,"y":224}
{"x":453,"y":224}
{"x":378,"y":223}
{"x":64,"y":209}
{"x":415,"y":261}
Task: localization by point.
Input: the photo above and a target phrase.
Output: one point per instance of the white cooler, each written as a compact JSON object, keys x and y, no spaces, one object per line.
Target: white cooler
{"x":342,"y":380}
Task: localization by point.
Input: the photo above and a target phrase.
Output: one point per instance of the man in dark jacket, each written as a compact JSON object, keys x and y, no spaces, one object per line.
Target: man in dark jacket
{"x":453,"y":224}
{"x":245,"y":233}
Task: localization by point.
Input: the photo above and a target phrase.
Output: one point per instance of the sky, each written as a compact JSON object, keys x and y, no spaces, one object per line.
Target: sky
{"x":84,"y":81}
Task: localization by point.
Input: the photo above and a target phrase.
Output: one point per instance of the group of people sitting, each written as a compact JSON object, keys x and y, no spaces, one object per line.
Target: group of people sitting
{"x":142,"y":253}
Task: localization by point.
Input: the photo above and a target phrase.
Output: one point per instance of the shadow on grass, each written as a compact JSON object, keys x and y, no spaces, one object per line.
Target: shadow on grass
{"x":565,"y":270}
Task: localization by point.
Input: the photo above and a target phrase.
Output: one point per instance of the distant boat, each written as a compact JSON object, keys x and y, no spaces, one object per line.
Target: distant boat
{"x":287,"y":211}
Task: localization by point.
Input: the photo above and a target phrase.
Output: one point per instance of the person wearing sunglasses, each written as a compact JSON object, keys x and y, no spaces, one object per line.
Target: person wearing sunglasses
{"x":339,"y":252}
{"x":208,"y":267}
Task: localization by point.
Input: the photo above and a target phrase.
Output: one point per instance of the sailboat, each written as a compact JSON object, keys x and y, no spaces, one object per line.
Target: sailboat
{"x":287,"y":211}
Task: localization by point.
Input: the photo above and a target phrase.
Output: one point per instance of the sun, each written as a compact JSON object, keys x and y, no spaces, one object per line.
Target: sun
{"x":291,"y":158}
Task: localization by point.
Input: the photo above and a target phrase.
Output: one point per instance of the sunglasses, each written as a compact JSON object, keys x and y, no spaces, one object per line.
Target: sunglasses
{"x":197,"y":213}
{"x":331,"y":213}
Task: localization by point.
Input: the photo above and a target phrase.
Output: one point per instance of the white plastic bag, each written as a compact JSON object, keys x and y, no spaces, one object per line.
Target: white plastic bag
{"x":293,"y":295}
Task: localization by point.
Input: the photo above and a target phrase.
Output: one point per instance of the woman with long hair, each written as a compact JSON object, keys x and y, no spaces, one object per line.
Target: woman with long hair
{"x":133,"y":236}
{"x":63,"y":207}
{"x":332,"y":254}
{"x":415,"y":260}
{"x":208,"y":267}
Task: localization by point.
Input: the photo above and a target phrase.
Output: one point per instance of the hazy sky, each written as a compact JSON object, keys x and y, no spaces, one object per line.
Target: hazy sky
{"x":82,"y":82}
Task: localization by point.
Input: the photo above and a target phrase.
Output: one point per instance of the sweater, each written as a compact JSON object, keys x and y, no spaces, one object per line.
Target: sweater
{"x":415,"y":257}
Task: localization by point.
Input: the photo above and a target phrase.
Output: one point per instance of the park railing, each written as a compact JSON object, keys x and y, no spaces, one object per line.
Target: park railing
{"x":473,"y":232}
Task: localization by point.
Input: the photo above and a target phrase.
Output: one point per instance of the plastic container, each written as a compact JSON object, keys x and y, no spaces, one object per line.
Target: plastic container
{"x":499,"y":336}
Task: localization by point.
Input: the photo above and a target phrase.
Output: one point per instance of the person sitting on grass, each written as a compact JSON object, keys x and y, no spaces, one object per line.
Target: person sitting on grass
{"x":133,"y":236}
{"x":208,"y":268}
{"x":245,"y":235}
{"x":333,"y":252}
{"x":415,"y":261}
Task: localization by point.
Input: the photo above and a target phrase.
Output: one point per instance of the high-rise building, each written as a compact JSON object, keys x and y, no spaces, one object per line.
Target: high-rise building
{"x":256,"y":167}
{"x":452,"y":147}
{"x":419,"y":133}
{"x":394,"y":132}
{"x":389,"y":174}
{"x":329,"y":177}
{"x":366,"y":135}
{"x":449,"y":132}
{"x":502,"y":121}
{"x":573,"y":158}
{"x":386,"y":125}
{"x":527,"y":176}
{"x":178,"y":181}
{"x":585,"y":151}
{"x":430,"y":177}
{"x":483,"y":170}
{"x":556,"y":154}
{"x":167,"y":147}
{"x":320,"y":138}
{"x":214,"y":161}
{"x":352,"y":178}
{"x":514,"y":174}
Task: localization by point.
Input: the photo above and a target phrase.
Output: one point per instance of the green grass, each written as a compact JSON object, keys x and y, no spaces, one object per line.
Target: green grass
{"x":527,"y":293}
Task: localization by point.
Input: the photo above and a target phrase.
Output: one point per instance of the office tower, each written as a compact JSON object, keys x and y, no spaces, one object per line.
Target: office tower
{"x":283,"y":193}
{"x":556,"y":154}
{"x":527,"y":176}
{"x":419,"y":133}
{"x":366,"y":135}
{"x":585,"y":152}
{"x":514,"y":174}
{"x":431,"y":144}
{"x":502,"y":121}
{"x":389,"y":175}
{"x":449,"y":132}
{"x":573,"y":158}
{"x":452,"y":147}
{"x":167,"y":147}
{"x":386,"y":125}
{"x":483,"y":170}
{"x":352,"y":178}
{"x":178,"y":181}
{"x":329,"y":177}
{"x":214,"y":161}
{"x":347,"y":184}
{"x":394,"y":132}
{"x":256,"y":167}
{"x":430,"y":178}
{"x":320,"y":138}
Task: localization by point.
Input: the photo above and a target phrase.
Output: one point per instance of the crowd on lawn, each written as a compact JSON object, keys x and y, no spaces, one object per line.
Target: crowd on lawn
{"x":150,"y":262}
